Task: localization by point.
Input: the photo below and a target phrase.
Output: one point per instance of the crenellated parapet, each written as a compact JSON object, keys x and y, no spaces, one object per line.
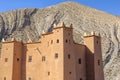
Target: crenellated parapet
{"x":12,"y":40}
{"x":61,"y":25}
{"x":91,"y":34}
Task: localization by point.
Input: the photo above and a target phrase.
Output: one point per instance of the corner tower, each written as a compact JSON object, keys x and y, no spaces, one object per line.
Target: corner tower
{"x":94,"y":65}
{"x":10,"y":60}
{"x":67,"y":51}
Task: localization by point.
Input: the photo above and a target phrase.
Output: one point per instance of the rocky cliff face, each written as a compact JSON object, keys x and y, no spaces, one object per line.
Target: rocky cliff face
{"x":27,"y":24}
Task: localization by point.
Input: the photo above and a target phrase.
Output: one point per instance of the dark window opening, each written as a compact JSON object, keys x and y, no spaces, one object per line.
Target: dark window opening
{"x":66,"y":40}
{"x":51,"y":41}
{"x":97,"y":42}
{"x":98,"y":62}
{"x":68,"y":56}
{"x":6,"y":59}
{"x":79,"y":61}
{"x":57,"y":40}
{"x":80,"y":78}
{"x":48,"y":73}
{"x":70,"y":72}
{"x":29,"y":78}
{"x":18,"y":59}
{"x":56,"y":55}
{"x":30,"y":59}
{"x":43,"y":58}
{"x":4,"y":78}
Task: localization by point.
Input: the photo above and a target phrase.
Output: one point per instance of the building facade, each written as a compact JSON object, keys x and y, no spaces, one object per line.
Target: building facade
{"x":54,"y":57}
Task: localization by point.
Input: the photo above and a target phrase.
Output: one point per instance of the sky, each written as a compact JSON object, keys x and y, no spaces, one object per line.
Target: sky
{"x":109,"y":6}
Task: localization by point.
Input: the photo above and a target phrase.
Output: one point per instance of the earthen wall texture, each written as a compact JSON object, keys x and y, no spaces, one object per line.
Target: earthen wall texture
{"x":54,"y":57}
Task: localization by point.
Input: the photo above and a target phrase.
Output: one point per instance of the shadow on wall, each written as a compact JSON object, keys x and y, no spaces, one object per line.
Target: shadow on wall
{"x":89,"y":65}
{"x":24,"y":63}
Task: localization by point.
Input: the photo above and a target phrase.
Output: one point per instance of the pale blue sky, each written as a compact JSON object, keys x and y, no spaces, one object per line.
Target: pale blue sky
{"x":110,"y":6}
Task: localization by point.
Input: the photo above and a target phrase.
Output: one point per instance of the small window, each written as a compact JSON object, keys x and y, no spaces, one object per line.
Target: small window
{"x":43,"y":58}
{"x":56,"y":55}
{"x":4,"y":78}
{"x":80,"y":78}
{"x":51,"y":41}
{"x":98,"y":62}
{"x":6,"y":59}
{"x":68,"y":56}
{"x":30,"y":59}
{"x":97,"y":42}
{"x":66,"y":40}
{"x":48,"y":73}
{"x":18,"y":59}
{"x":29,"y":78}
{"x":79,"y":61}
{"x":57,"y":40}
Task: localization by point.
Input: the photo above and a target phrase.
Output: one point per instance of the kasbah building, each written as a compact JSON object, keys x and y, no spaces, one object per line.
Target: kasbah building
{"x":54,"y":57}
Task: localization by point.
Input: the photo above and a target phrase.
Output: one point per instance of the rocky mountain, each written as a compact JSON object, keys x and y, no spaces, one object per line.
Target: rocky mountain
{"x":25,"y":24}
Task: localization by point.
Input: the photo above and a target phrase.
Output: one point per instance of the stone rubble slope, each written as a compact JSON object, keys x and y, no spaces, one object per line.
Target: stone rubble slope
{"x":25,"y":24}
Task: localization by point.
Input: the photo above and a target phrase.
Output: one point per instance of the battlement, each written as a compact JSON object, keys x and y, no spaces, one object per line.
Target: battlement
{"x":12,"y":40}
{"x":62,"y":25}
{"x":91,"y":34}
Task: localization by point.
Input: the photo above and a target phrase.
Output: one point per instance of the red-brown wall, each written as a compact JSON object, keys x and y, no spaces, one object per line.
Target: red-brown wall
{"x":54,"y":57}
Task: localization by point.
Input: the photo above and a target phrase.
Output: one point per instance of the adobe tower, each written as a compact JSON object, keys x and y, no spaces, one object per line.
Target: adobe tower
{"x":94,"y":65}
{"x":54,"y":57}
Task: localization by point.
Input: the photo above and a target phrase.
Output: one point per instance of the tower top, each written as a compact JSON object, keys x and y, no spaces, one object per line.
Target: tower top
{"x":61,"y":25}
{"x":12,"y":40}
{"x":91,"y":34}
